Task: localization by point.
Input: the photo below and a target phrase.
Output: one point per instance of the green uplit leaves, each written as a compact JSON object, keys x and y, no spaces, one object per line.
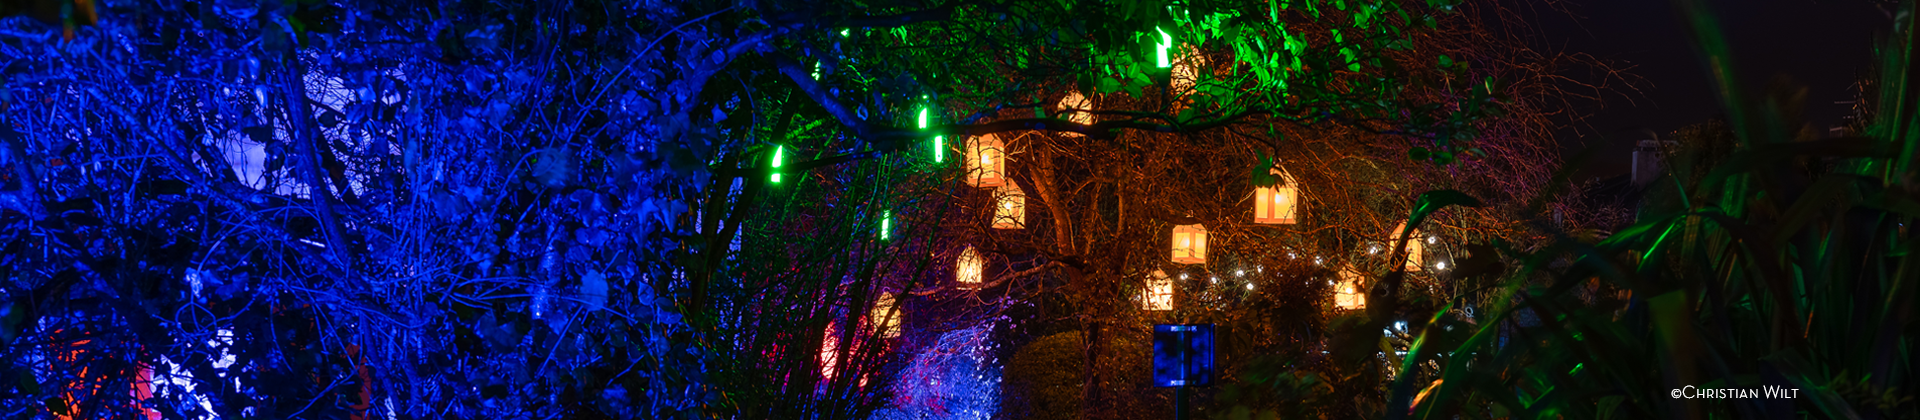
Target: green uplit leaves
{"x":1433,"y":201}
{"x":1263,"y":175}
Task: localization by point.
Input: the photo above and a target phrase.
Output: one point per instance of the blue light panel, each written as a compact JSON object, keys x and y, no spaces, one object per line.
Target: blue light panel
{"x":1183,"y":355}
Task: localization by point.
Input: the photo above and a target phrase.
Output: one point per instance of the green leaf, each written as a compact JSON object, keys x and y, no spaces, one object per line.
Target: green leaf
{"x":57,"y":405}
{"x":1418,"y":154}
{"x":1106,"y":85}
{"x":1432,"y":201}
{"x":1262,"y":172}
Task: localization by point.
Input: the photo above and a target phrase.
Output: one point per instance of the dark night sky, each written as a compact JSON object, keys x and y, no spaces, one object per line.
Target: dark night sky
{"x":1823,"y":45}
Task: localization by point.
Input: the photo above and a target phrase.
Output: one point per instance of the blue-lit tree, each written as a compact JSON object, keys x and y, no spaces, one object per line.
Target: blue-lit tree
{"x":358,"y":209}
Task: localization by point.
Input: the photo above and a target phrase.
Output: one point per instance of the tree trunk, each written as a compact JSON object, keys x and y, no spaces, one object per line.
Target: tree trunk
{"x":1090,"y":390}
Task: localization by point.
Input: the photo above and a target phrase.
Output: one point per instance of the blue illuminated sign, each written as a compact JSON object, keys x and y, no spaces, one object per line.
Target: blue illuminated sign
{"x":1183,"y":355}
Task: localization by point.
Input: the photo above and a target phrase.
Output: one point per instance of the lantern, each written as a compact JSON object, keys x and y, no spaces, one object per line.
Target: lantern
{"x":1278,"y":204}
{"x":986,"y":161}
{"x":1416,"y":248}
{"x":1190,"y":244}
{"x":1075,"y":107}
{"x":829,"y":352}
{"x":969,"y":269}
{"x":1185,"y":75}
{"x":1158,"y":295}
{"x":89,"y":384}
{"x":885,"y":316}
{"x":1347,"y":292}
{"x":1009,"y":208}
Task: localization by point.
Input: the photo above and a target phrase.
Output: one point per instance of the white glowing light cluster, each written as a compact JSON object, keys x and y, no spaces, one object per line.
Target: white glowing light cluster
{"x":956,"y":378}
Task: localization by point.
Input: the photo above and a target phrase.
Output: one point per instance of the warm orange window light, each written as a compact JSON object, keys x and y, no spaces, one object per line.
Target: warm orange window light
{"x":1009,"y":208}
{"x":1348,"y":293}
{"x":885,"y":316}
{"x":986,"y":161}
{"x":1075,"y":101}
{"x":1190,"y":244}
{"x":1158,"y":293}
{"x":1416,"y":248}
{"x":969,"y":269}
{"x":1278,"y":204}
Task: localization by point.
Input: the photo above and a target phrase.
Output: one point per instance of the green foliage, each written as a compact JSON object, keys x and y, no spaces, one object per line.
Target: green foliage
{"x":1765,"y":261}
{"x":1044,"y":379}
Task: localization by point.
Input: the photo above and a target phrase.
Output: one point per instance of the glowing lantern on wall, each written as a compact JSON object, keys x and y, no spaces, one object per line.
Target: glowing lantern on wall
{"x":1416,"y":248}
{"x":1158,"y":293}
{"x":1075,"y":105}
{"x":1190,"y":244}
{"x":969,"y":269}
{"x":986,"y":161}
{"x":1278,"y":204}
{"x":885,"y":316}
{"x":1347,"y":292}
{"x":1009,"y":208}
